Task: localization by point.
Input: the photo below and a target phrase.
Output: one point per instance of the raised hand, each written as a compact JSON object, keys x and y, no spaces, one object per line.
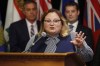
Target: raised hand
{"x":79,"y":39}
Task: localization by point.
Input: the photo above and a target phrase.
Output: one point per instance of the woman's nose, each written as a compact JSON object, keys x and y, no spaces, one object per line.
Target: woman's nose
{"x":51,"y":23}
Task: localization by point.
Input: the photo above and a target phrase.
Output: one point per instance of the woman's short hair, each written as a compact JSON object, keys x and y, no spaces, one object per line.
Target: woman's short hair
{"x":64,"y":30}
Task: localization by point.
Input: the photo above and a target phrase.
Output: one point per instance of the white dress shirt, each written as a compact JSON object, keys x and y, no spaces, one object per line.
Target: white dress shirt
{"x":75,"y":26}
{"x":29,"y":27}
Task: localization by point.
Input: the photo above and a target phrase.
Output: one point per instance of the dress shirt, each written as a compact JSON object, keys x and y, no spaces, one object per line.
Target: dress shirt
{"x":74,"y":26}
{"x":29,"y":27}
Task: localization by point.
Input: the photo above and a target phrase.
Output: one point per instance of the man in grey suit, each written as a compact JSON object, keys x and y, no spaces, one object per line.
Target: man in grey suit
{"x":21,"y":31}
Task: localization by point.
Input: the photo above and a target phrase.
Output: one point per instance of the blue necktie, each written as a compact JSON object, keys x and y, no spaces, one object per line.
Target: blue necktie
{"x":71,"y":27}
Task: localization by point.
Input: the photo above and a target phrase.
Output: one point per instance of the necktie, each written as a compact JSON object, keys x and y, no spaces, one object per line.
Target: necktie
{"x":71,"y":27}
{"x":51,"y":44}
{"x":32,"y":30}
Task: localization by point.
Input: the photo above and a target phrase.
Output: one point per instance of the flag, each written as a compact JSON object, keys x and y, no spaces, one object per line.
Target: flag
{"x":92,"y":18}
{"x":14,"y":12}
{"x":43,"y":6}
{"x":2,"y":41}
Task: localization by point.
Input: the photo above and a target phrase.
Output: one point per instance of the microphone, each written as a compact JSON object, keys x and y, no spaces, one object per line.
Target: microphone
{"x":31,"y":42}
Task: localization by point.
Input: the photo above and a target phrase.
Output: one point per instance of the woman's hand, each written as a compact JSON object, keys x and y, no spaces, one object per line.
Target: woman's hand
{"x":79,"y":39}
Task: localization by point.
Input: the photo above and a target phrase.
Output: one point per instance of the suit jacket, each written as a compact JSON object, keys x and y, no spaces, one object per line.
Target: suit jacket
{"x":96,"y":60}
{"x":19,"y":36}
{"x":88,"y":33}
{"x":63,"y":45}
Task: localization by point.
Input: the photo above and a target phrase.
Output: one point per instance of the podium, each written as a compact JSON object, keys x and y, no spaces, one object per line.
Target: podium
{"x":40,"y":59}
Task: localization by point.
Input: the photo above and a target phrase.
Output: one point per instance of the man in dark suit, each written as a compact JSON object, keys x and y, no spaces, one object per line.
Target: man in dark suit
{"x":21,"y":31}
{"x":72,"y":13}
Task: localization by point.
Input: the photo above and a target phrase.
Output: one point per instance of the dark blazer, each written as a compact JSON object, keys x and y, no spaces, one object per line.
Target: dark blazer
{"x":19,"y":36}
{"x":96,"y":59}
{"x":88,"y":34}
{"x":63,"y":45}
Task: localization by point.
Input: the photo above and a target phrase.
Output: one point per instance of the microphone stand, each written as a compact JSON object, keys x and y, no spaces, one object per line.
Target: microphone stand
{"x":29,"y":44}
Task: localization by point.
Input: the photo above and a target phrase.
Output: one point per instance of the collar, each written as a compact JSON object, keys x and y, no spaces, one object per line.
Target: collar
{"x":56,"y":36}
{"x":74,"y":24}
{"x":29,"y":24}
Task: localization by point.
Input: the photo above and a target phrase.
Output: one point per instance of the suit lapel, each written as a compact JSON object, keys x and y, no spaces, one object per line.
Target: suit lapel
{"x":38,"y":25}
{"x":25,"y":29}
{"x":79,"y":28}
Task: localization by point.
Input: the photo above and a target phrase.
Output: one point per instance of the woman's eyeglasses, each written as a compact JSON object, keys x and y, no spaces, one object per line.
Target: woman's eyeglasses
{"x":55,"y":21}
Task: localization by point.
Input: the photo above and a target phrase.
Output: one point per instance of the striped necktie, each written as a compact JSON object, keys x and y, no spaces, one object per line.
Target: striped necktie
{"x":32,"y":30}
{"x":71,"y":27}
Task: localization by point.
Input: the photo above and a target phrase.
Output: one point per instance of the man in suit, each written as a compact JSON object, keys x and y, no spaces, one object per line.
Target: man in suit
{"x":72,"y":13}
{"x":21,"y":31}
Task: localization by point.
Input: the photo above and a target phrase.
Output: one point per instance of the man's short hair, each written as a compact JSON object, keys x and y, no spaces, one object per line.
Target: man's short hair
{"x":72,"y":4}
{"x":29,"y":1}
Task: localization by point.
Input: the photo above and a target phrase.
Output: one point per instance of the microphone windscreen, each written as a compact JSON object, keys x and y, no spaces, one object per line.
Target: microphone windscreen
{"x":43,"y":34}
